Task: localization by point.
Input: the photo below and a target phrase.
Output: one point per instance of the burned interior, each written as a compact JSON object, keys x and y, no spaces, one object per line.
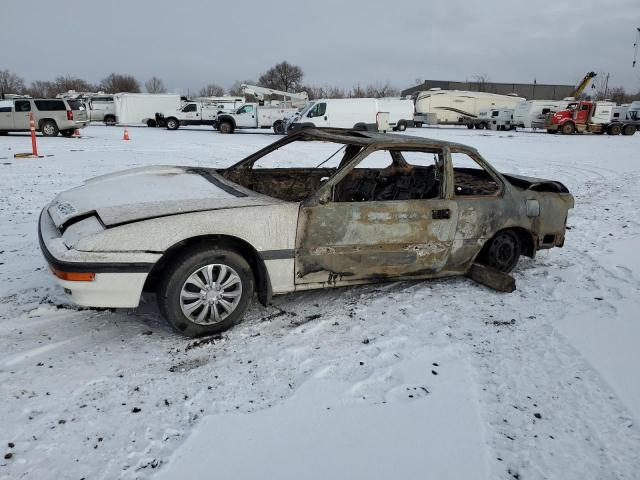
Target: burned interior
{"x":399,"y":175}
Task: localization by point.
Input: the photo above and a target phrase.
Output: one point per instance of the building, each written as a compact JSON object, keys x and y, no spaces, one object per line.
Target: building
{"x":530,"y":91}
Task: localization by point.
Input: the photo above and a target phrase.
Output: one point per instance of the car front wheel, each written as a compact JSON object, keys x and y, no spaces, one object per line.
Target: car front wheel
{"x":206,"y":291}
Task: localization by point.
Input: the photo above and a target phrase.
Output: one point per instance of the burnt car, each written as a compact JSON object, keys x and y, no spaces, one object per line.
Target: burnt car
{"x":318,"y":208}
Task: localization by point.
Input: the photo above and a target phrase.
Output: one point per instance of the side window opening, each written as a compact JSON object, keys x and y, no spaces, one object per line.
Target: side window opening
{"x":190,"y":108}
{"x":246,"y":109}
{"x":318,"y":110}
{"x":470,"y":178}
{"x":23,"y":106}
{"x":387,"y":175}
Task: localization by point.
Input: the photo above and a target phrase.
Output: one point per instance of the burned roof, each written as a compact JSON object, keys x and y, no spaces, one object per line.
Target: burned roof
{"x":364,"y":138}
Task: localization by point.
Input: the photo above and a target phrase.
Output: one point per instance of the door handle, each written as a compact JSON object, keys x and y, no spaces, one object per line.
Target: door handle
{"x":441,"y":214}
{"x":325,"y":117}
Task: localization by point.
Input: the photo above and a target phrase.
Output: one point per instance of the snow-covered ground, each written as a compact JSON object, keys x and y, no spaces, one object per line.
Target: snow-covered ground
{"x":442,"y":379}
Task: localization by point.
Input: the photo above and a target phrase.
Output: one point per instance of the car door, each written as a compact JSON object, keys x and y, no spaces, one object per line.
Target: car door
{"x":367,"y":237}
{"x":246,"y":117}
{"x":190,"y":114}
{"x":6,"y":115}
{"x":318,"y":115}
{"x":21,"y":115}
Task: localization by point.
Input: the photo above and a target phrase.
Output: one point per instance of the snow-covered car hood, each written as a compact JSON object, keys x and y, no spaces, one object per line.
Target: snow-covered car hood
{"x":151,"y":192}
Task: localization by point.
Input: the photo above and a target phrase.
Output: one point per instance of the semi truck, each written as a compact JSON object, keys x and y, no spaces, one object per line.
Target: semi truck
{"x":594,"y":117}
{"x":202,"y":111}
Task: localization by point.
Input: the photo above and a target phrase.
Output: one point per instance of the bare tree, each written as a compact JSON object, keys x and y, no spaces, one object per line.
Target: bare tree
{"x":481,"y":82}
{"x":324,"y":91}
{"x":381,"y":90}
{"x":211,"y":90}
{"x":282,"y":76}
{"x":155,"y":85}
{"x":236,"y":89}
{"x":65,"y":83}
{"x":40,"y":89}
{"x":619,"y":95}
{"x":357,"y":92}
{"x":10,"y":82}
{"x":115,"y":83}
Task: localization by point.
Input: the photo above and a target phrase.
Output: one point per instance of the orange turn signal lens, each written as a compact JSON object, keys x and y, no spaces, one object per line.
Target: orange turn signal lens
{"x":74,"y":276}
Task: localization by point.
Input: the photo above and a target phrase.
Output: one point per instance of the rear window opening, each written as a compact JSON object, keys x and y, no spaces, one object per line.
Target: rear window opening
{"x":76,"y":104}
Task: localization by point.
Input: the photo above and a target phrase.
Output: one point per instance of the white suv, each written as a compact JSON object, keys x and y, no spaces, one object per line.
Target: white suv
{"x":51,"y":115}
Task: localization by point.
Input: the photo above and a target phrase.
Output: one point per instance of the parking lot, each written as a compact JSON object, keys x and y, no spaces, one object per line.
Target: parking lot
{"x":547,"y":375}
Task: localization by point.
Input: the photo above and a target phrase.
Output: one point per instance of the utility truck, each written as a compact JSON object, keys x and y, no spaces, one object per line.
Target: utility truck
{"x":594,"y":117}
{"x":269,"y":114}
{"x":201,"y":111}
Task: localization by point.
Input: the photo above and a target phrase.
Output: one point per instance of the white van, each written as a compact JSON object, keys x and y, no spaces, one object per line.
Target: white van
{"x":358,"y":113}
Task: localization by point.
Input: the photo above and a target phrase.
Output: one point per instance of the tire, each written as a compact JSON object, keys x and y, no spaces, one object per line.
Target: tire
{"x":361,"y":127}
{"x":279,"y":127}
{"x":181,"y":278}
{"x":470,"y":126}
{"x":151,"y":123}
{"x":552,"y":131}
{"x":172,"y":123}
{"x":568,"y":128}
{"x":109,"y":120}
{"x":614,"y":129}
{"x":418,"y":124}
{"x":402,"y":126}
{"x":67,"y":133}
{"x":48,"y":128}
{"x":225,"y":126}
{"x":629,"y":130}
{"x":502,"y":251}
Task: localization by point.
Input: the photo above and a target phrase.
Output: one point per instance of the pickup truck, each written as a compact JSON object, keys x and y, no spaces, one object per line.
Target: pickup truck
{"x":197,"y":112}
{"x":252,"y":115}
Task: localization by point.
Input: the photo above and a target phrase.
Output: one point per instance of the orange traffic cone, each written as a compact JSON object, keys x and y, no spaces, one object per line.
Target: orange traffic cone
{"x":126,"y":134}
{"x":77,"y":132}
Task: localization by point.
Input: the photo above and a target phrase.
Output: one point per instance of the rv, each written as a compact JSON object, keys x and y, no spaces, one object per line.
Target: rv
{"x":458,"y":107}
{"x":532,"y":113}
{"x":360,"y":113}
{"x":132,"y":108}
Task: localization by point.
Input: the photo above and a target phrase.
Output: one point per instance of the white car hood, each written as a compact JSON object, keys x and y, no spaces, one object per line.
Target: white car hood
{"x":150,"y":192}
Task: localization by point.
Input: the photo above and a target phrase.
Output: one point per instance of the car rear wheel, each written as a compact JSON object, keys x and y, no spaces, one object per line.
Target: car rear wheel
{"x":109,"y":120}
{"x":206,"y":291}
{"x":279,"y":127}
{"x":629,"y":130}
{"x":67,"y":133}
{"x":172,"y":124}
{"x":49,"y":128}
{"x":402,"y":126}
{"x":225,"y":127}
{"x":502,"y":252}
{"x":614,"y":129}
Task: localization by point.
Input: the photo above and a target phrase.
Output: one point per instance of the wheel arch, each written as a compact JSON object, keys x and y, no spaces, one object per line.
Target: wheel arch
{"x":527,"y":241}
{"x":42,"y":120}
{"x":242,"y":247}
{"x":226,"y":118}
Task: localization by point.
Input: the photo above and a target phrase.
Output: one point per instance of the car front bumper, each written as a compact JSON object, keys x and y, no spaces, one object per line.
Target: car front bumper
{"x":118,"y":278}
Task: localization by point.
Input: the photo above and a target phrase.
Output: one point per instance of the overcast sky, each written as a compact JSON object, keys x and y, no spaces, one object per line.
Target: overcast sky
{"x":189,"y":43}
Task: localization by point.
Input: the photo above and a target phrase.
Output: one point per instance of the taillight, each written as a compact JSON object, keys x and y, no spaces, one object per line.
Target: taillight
{"x":69,"y":115}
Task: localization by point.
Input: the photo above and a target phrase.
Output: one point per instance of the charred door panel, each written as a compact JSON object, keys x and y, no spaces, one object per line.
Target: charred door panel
{"x":355,"y":241}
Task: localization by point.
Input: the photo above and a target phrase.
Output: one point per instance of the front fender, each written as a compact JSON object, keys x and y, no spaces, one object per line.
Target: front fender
{"x":229,"y":118}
